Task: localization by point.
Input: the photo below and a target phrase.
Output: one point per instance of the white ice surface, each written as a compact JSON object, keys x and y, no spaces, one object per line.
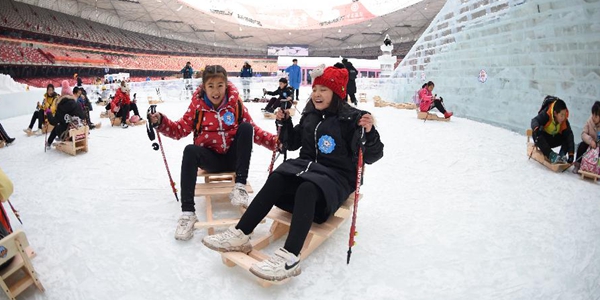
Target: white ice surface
{"x":452,"y":211}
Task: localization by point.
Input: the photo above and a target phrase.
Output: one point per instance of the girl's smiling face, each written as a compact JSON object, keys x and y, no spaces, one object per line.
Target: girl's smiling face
{"x":214,"y":88}
{"x":321,"y":96}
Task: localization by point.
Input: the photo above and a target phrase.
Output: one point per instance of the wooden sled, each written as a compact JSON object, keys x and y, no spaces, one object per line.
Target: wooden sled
{"x":589,"y":175}
{"x":77,"y":141}
{"x":104,"y":114}
{"x":116,"y":121}
{"x":47,"y":128}
{"x":216,"y":184}
{"x":102,"y":103}
{"x":430,"y":116}
{"x":535,"y":153}
{"x":404,"y":105}
{"x":362,"y":97}
{"x":19,"y":274}
{"x":291,"y":111}
{"x":281,"y":225}
{"x":152,"y":101}
{"x":2,"y":144}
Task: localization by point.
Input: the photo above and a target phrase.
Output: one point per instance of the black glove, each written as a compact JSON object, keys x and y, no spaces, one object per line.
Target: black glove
{"x":535,"y":134}
{"x":570,"y":159}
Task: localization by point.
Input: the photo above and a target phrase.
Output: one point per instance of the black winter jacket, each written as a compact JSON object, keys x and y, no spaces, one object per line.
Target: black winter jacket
{"x":329,"y":144}
{"x":287,"y":91}
{"x":67,"y":105}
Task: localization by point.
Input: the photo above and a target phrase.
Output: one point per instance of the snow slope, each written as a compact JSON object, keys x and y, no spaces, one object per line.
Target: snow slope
{"x":452,"y":211}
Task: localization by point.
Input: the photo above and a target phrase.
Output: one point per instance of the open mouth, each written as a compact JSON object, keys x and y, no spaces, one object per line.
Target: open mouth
{"x":318,"y":101}
{"x":216,"y":97}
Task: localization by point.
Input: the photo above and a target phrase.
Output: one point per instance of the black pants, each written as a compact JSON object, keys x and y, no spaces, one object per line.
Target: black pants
{"x":583,"y":147}
{"x":297,"y":91}
{"x":273,"y":104}
{"x":133,"y":106}
{"x":439,"y":105}
{"x":3,"y":135}
{"x":123,"y":112}
{"x":236,"y":159}
{"x":546,"y":142}
{"x":38,"y":115}
{"x":304,"y":196}
{"x":58,"y":130}
{"x":353,"y":98}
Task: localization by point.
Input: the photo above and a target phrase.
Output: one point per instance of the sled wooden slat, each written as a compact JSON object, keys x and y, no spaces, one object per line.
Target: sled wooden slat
{"x":362,"y":97}
{"x":77,"y":141}
{"x":19,"y":274}
{"x":590,"y":175}
{"x":215,"y":184}
{"x":431,"y":116}
{"x":2,"y":144}
{"x":536,"y":154}
{"x":317,"y":234}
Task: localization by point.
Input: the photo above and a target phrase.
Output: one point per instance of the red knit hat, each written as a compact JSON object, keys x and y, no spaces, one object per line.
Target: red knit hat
{"x":333,"y":78}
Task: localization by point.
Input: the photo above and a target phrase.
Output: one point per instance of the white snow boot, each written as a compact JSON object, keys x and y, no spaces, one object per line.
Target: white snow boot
{"x":281,"y":265}
{"x":185,"y":226}
{"x":239,"y":195}
{"x":229,"y":240}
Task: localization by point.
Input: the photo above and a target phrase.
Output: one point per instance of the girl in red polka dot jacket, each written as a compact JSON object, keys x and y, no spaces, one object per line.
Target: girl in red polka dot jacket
{"x":223,"y":133}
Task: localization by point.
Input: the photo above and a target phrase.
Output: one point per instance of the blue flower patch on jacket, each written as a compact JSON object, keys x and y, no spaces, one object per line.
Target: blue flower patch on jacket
{"x":228,"y":118}
{"x":326,"y":144}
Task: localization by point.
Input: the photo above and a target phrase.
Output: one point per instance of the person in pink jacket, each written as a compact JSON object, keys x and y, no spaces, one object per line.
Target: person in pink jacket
{"x":223,"y":134}
{"x":589,"y":136}
{"x":428,"y":101}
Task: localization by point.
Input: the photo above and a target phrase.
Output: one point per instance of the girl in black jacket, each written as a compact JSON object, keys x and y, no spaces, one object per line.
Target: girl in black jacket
{"x":314,"y":185}
{"x":66,"y":109}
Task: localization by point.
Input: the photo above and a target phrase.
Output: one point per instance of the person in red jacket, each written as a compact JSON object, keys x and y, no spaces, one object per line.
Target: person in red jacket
{"x":120,"y":104}
{"x":223,"y":132}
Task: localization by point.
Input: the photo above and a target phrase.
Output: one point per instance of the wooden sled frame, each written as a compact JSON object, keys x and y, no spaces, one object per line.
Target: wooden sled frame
{"x":281,"y":225}
{"x":77,"y":141}
{"x":116,"y":121}
{"x":421,"y":115}
{"x":151,"y":101}
{"x":2,"y":144}
{"x":216,"y":184}
{"x":16,"y":246}
{"x":362,"y":97}
{"x":535,"y":153}
{"x":292,"y":111}
{"x":589,"y":175}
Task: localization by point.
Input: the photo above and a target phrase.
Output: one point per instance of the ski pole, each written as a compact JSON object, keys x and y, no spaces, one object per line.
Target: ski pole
{"x":16,"y":212}
{"x":276,"y":153}
{"x":167,"y":166}
{"x":359,"y":170}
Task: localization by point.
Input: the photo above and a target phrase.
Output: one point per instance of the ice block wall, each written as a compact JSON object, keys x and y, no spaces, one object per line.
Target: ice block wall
{"x":495,"y":60}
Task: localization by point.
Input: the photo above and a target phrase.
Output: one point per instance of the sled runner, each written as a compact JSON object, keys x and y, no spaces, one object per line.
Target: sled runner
{"x":77,"y":141}
{"x":281,"y":225}
{"x":404,"y":105}
{"x":589,"y":175}
{"x":216,"y":186}
{"x":535,"y":153}
{"x":431,"y":116}
{"x":13,"y":282}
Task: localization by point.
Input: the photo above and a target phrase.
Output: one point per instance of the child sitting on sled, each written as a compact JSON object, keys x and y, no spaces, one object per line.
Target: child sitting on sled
{"x":313,"y":186}
{"x":590,"y":135}
{"x":551,"y":128}
{"x":223,"y":135}
{"x":284,"y":92}
{"x":428,"y":101}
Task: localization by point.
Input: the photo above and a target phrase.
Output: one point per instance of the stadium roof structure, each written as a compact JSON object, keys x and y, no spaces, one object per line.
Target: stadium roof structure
{"x":254,"y":24}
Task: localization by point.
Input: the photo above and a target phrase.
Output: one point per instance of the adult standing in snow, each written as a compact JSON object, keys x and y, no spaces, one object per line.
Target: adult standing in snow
{"x":313,"y":186}
{"x":351,"y":88}
{"x":246,"y":75}
{"x":295,"y":77}
{"x":223,"y":132}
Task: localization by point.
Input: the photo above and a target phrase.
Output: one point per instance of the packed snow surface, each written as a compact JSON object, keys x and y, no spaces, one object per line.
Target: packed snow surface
{"x":454,"y":210}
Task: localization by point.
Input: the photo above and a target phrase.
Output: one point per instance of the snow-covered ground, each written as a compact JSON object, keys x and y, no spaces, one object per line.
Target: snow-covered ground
{"x":452,"y":211}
